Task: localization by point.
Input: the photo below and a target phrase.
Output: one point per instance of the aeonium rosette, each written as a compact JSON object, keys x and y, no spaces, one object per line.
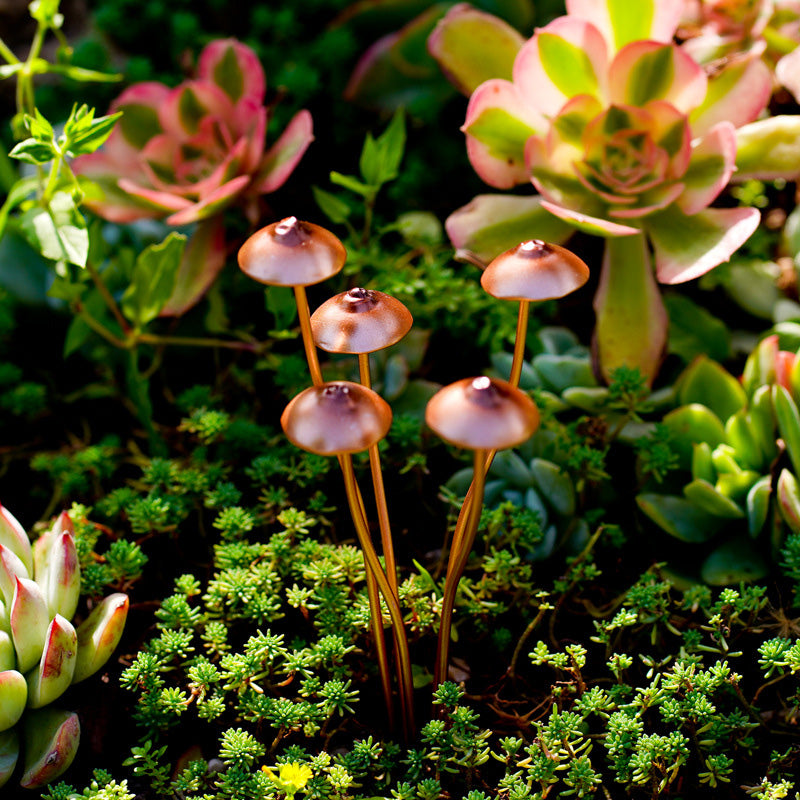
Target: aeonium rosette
{"x":187,"y":153}
{"x":623,"y":135}
{"x":714,"y":30}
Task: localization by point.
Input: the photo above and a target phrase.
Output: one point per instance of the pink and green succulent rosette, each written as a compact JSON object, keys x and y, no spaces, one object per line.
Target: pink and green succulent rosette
{"x":712,"y":30}
{"x":186,"y":153}
{"x":625,"y":136}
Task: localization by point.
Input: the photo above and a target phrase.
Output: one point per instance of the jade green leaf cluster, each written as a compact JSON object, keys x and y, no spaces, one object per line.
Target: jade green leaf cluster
{"x":41,"y":653}
{"x":737,"y":444}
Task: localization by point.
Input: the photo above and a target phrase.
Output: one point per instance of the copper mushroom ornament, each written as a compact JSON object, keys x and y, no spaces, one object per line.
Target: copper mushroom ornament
{"x":482,"y":414}
{"x":530,"y":272}
{"x":340,"y":418}
{"x":363,"y":321}
{"x":297,"y":254}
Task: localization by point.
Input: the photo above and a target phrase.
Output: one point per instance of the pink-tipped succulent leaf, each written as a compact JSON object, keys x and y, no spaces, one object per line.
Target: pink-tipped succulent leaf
{"x":13,"y":536}
{"x":30,"y":619}
{"x":53,"y":674}
{"x":99,"y":634}
{"x":51,"y":740}
{"x":61,"y":581}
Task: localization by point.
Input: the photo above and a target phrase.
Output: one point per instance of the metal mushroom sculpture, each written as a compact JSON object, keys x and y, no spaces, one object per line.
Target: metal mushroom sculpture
{"x":481,"y":414}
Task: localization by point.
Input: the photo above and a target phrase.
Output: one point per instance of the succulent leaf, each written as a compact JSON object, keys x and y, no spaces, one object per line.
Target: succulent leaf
{"x":732,"y":562}
{"x":51,"y":741}
{"x":758,"y":504}
{"x":62,"y":580}
{"x":555,"y":485}
{"x":99,"y":634}
{"x":706,"y":497}
{"x":789,"y":499}
{"x":9,"y":754}
{"x":11,"y":568}
{"x":13,"y":696}
{"x":788,"y":423}
{"x":13,"y":536}
{"x":8,"y":655}
{"x":43,"y":545}
{"x":690,"y":424}
{"x":30,"y":620}
{"x":53,"y":675}
{"x":678,"y":517}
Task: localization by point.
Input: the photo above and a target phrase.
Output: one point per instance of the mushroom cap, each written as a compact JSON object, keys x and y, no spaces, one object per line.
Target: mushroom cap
{"x":534,"y":270}
{"x":359,"y":321}
{"x":336,"y":417}
{"x":482,"y":413}
{"x":292,"y":253}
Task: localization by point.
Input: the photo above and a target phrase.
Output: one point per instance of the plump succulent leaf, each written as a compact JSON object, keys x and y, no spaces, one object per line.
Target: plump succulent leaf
{"x":99,"y":634}
{"x":13,"y":696}
{"x":51,"y":739}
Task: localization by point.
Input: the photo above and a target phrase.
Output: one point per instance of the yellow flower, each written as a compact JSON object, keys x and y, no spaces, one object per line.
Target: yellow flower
{"x":290,"y":778}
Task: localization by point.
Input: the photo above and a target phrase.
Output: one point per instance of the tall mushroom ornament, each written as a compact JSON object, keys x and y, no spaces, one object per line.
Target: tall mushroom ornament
{"x":297,"y":254}
{"x":363,"y":321}
{"x":483,"y":415}
{"x":340,"y":418}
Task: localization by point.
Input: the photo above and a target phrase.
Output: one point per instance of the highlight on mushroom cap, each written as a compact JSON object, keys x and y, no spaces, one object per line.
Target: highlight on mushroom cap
{"x":360,"y":321}
{"x":292,"y":252}
{"x":336,"y":418}
{"x":482,"y":413}
{"x":534,"y":270}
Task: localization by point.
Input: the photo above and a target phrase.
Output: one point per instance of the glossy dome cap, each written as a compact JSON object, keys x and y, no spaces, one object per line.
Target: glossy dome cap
{"x":360,"y":321}
{"x":482,"y":413}
{"x":292,"y":253}
{"x":336,"y":417}
{"x":534,"y":270}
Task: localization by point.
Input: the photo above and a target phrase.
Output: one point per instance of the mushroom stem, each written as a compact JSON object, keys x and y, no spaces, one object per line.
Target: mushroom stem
{"x":305,"y":329}
{"x":459,"y":553}
{"x":376,"y":623}
{"x":404,"y":658}
{"x":375,"y":614}
{"x":380,"y":492}
{"x":519,"y":343}
{"x":363,"y":370}
{"x":516,"y":372}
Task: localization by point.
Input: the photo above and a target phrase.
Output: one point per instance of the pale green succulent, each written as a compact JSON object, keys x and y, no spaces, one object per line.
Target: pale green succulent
{"x":41,"y":653}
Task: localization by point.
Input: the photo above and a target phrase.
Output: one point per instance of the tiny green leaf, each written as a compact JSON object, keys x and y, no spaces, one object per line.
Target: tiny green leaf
{"x":57,"y":231}
{"x":91,"y":136}
{"x":381,"y":157}
{"x":34,"y":151}
{"x":153,"y":280}
{"x":333,"y":207}
{"x":352,"y":183}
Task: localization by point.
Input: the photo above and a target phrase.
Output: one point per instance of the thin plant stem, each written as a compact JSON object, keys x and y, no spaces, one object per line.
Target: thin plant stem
{"x":305,"y":329}
{"x":512,"y":668}
{"x":99,"y":328}
{"x":404,"y":658}
{"x":7,"y":53}
{"x":108,"y":298}
{"x":458,"y":561}
{"x":193,"y":341}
